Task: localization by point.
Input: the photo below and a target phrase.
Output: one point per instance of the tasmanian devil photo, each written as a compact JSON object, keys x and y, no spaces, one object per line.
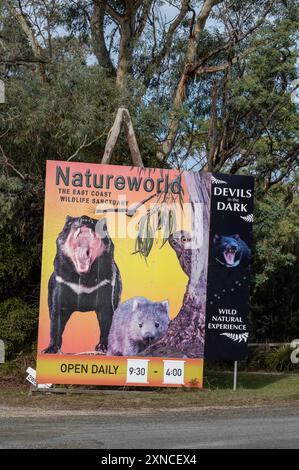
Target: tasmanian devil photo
{"x":85,"y":278}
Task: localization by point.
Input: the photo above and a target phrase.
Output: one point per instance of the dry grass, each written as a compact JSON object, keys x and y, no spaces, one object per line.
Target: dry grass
{"x":253,"y":389}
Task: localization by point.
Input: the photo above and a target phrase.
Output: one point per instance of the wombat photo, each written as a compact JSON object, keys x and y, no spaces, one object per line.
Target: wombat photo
{"x":137,"y":323}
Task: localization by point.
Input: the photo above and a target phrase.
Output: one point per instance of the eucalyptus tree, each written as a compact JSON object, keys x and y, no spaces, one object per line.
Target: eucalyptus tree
{"x":210,"y":85}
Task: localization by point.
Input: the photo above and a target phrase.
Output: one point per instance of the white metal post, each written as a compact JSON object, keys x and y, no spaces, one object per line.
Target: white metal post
{"x":2,"y":352}
{"x":235,"y":375}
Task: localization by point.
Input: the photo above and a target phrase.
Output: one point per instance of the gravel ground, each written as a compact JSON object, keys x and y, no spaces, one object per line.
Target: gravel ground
{"x":207,"y":427}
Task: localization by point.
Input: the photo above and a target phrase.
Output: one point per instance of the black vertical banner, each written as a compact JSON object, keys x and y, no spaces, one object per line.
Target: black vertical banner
{"x":229,"y":267}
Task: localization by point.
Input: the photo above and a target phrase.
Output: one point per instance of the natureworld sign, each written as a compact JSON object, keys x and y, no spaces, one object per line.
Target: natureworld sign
{"x":144,"y":273}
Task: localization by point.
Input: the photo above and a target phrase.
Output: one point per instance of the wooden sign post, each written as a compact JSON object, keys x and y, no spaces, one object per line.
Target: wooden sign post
{"x":122,"y":119}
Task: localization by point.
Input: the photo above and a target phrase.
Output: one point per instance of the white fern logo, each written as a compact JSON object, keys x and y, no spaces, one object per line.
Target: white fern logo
{"x":247,"y":218}
{"x":215,"y":181}
{"x":236,"y":337}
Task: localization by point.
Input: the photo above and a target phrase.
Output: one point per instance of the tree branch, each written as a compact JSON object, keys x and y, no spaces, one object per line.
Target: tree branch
{"x":172,"y":29}
{"x":112,"y":13}
{"x":10,"y":165}
{"x":22,"y":61}
{"x":198,"y":68}
{"x":291,"y":157}
{"x":146,"y":8}
{"x":166,"y":146}
{"x":85,"y":145}
{"x":237,"y":39}
{"x":29,"y":33}
{"x":213,"y":130}
{"x":128,"y":212}
{"x":98,"y":37}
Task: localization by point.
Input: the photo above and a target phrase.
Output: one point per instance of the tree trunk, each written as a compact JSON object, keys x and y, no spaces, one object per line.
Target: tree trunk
{"x":185,"y":334}
{"x":35,"y":47}
{"x":165,"y":148}
{"x":125,"y":53}
{"x":98,"y":37}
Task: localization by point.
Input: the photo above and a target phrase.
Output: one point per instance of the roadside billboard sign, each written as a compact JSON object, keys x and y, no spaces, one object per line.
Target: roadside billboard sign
{"x":132,"y":267}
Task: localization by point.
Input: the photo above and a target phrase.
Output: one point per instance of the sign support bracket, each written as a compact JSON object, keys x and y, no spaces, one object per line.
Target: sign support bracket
{"x":122,"y":119}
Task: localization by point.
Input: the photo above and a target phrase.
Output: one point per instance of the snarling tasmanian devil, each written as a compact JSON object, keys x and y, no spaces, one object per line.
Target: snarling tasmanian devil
{"x":231,"y":251}
{"x":85,"y":278}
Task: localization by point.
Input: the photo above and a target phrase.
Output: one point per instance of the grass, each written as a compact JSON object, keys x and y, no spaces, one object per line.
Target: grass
{"x":253,"y":389}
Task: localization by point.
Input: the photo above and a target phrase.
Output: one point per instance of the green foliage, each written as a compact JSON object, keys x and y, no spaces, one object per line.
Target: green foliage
{"x":18,"y":324}
{"x":15,"y":266}
{"x":275,"y":286}
{"x":70,"y":115}
{"x":279,"y":360}
{"x":277,"y":234}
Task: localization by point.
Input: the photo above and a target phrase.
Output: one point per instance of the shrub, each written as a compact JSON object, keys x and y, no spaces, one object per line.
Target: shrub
{"x":280,"y":360}
{"x":18,"y":325}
